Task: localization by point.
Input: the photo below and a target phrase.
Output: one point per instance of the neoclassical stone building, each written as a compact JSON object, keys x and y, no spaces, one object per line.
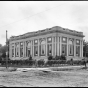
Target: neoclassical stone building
{"x":51,"y":41}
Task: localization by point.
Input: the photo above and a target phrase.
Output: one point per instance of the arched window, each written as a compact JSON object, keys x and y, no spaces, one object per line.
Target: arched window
{"x":36,"y":47}
{"x":28,"y":48}
{"x":17,"y":49}
{"x":12,"y":50}
{"x":77,"y":47}
{"x":49,"y":46}
{"x":64,"y":46}
{"x":42,"y":46}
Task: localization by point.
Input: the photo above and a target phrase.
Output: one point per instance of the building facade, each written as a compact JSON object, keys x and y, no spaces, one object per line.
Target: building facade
{"x":51,"y":41}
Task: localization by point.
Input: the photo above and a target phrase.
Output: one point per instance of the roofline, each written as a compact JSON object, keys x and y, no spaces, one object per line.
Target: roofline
{"x":54,"y":29}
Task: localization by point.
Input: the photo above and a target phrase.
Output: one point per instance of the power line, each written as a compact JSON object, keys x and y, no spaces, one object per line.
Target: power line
{"x":29,"y":16}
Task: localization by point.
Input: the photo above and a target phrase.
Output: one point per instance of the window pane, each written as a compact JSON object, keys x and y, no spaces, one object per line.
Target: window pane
{"x":71,"y":50}
{"x":42,"y":46}
{"x":35,"y":50}
{"x":42,"y":49}
{"x":17,"y":49}
{"x":21,"y":52}
{"x":64,"y":49}
{"x":12,"y":51}
{"x":77,"y":50}
{"x":49,"y":49}
{"x":28,"y":48}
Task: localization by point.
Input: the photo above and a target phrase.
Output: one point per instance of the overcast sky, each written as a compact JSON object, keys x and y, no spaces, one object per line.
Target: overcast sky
{"x":19,"y":17}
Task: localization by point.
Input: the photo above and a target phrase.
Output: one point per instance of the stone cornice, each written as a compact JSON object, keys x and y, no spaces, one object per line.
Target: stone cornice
{"x":55,"y":29}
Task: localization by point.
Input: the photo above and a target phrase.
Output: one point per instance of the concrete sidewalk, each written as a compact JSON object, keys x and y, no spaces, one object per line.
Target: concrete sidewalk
{"x":50,"y":68}
{"x":42,"y":69}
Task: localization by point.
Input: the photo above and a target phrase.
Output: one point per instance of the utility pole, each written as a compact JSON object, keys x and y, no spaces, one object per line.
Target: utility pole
{"x":6,"y":51}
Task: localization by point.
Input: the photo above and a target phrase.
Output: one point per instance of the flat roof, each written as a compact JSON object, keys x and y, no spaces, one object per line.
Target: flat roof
{"x":47,"y":30}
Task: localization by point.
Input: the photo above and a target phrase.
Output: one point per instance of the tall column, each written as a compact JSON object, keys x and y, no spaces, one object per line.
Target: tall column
{"x":74,"y":47}
{"x":67,"y":45}
{"x":10,"y":51}
{"x":60,"y":46}
{"x":14,"y":50}
{"x":46,"y":47}
{"x":52,"y":46}
{"x":55,"y":46}
{"x":33,"y":47}
{"x":19,"y":49}
{"x":23,"y":49}
{"x":82,"y":48}
{"x":38,"y":48}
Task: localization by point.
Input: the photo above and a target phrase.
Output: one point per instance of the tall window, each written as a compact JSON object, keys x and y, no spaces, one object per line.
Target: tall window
{"x":77,"y":47}
{"x":21,"y":49}
{"x":64,"y":46}
{"x":71,"y":47}
{"x":77,"y":50}
{"x":49,"y":46}
{"x":36,"y":47}
{"x":12,"y":51}
{"x":17,"y":49}
{"x":42,"y":47}
{"x":28,"y":48}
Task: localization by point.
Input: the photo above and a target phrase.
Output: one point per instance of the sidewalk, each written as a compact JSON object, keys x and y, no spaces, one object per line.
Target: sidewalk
{"x":50,"y":68}
{"x":43,"y":69}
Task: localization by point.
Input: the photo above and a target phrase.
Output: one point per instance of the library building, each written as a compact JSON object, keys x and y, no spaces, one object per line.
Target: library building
{"x":50,"y":41}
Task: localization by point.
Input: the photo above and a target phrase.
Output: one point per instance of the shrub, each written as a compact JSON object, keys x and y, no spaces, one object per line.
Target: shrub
{"x":49,"y":63}
{"x":30,"y":57}
{"x":63,"y":57}
{"x":50,"y":57}
{"x":57,"y":57}
{"x":31,"y":62}
{"x":68,"y":62}
{"x":40,"y":62}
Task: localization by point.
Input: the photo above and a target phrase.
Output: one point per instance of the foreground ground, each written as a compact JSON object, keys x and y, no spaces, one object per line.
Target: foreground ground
{"x":36,"y":78}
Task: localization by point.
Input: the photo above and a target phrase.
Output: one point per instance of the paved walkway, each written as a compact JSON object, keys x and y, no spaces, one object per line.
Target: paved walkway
{"x":44,"y":69}
{"x":49,"y":68}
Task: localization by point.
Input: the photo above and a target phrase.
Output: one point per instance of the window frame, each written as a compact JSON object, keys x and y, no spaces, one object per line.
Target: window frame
{"x":17,"y":49}
{"x":71,"y":47}
{"x":65,"y":49}
{"x":42,"y":47}
{"x":35,"y":50}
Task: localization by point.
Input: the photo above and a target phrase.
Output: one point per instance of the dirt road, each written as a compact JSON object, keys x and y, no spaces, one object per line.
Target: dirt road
{"x":44,"y":79}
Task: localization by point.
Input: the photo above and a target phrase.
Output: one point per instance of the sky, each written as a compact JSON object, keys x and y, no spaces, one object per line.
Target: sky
{"x":19,"y":17}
